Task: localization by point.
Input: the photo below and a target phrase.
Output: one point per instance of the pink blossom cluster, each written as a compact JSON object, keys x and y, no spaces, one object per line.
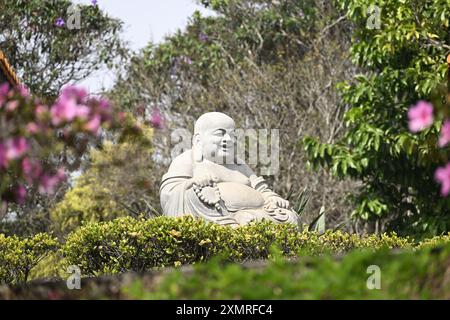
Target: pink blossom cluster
{"x":156,"y":119}
{"x":27,"y":121}
{"x":420,"y":117}
{"x":74,"y":105}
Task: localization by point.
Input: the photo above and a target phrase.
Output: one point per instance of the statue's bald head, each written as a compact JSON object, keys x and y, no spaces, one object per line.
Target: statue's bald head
{"x":214,"y":136}
{"x":213,"y":120}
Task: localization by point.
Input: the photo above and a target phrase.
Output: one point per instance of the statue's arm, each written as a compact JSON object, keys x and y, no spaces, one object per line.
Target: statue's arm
{"x":259,"y":183}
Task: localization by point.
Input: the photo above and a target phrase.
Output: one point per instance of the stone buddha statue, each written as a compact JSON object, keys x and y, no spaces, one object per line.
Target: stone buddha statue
{"x":204,"y":183}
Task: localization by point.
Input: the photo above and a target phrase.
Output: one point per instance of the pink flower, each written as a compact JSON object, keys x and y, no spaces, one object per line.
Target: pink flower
{"x":41,"y":111}
{"x":101,"y":107}
{"x":32,"y":128}
{"x":23,"y":91}
{"x":93,"y":125}
{"x":12,"y":105}
{"x":61,"y":174}
{"x":4,"y":90}
{"x":48,"y":184}
{"x":82,"y":112}
{"x":444,"y":138}
{"x":420,"y":116}
{"x":104,"y":106}
{"x":15,"y":148}
{"x":65,"y":110}
{"x":31,"y":169}
{"x":70,"y":105}
{"x":12,"y":149}
{"x":442,"y":175}
{"x":26,"y":166}
{"x":74,"y":92}
{"x":19,"y":194}
{"x":156,"y":119}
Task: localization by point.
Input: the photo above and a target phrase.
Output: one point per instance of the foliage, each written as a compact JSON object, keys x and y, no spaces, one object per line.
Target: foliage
{"x":84,"y":203}
{"x":435,"y":241}
{"x":19,"y":256}
{"x":33,"y":132}
{"x":39,"y":141}
{"x":46,"y":56}
{"x":266,"y":64}
{"x":114,"y":184}
{"x":408,"y":275}
{"x":404,"y":61}
{"x":130,"y":244}
{"x":267,"y":31}
{"x":51,"y":267}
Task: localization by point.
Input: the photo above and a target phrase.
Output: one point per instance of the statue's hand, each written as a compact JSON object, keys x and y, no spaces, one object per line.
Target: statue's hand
{"x":279,"y":202}
{"x":206,"y":179}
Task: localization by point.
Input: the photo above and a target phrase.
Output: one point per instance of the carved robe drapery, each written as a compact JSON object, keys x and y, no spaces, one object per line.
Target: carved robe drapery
{"x":240,"y":202}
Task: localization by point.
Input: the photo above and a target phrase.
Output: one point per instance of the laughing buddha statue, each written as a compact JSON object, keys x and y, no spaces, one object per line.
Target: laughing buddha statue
{"x":201,"y":184}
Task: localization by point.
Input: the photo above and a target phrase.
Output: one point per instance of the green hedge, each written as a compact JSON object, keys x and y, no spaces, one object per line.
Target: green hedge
{"x":410,"y":274}
{"x":129,"y":244}
{"x":19,"y":256}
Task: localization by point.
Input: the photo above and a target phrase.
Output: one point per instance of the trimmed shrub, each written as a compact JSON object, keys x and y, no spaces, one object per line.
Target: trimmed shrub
{"x":114,"y":185}
{"x":435,"y":241}
{"x":19,"y":256}
{"x":411,"y":274}
{"x":83,"y":204}
{"x":51,"y":267}
{"x":131,"y":244}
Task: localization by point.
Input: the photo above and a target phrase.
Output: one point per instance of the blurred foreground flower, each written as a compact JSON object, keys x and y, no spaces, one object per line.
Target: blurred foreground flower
{"x":444,"y":137}
{"x":48,"y":183}
{"x":420,"y":116}
{"x":30,"y":133}
{"x":442,"y":175}
{"x":33,"y":135}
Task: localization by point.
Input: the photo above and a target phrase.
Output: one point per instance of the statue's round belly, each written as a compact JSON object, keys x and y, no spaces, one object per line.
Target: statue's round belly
{"x":239,"y":196}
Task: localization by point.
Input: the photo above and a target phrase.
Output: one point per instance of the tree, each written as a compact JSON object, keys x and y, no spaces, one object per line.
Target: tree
{"x":403,"y":62}
{"x":36,"y":136}
{"x":51,"y":44}
{"x":33,"y":133}
{"x":47,"y":47}
{"x":116,"y":182}
{"x":268,"y":65}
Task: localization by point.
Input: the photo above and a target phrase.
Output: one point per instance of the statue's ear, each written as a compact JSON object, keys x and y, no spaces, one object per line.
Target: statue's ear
{"x":197,"y":148}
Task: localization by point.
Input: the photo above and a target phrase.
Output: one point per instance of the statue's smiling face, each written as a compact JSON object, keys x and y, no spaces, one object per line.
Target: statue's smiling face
{"x":217,"y":139}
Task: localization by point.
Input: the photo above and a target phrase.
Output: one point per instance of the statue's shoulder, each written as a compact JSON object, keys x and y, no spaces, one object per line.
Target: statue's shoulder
{"x":181,"y":164}
{"x":184,"y":158}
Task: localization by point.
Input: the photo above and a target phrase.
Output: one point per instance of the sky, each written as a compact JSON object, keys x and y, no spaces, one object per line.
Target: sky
{"x":144,"y":20}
